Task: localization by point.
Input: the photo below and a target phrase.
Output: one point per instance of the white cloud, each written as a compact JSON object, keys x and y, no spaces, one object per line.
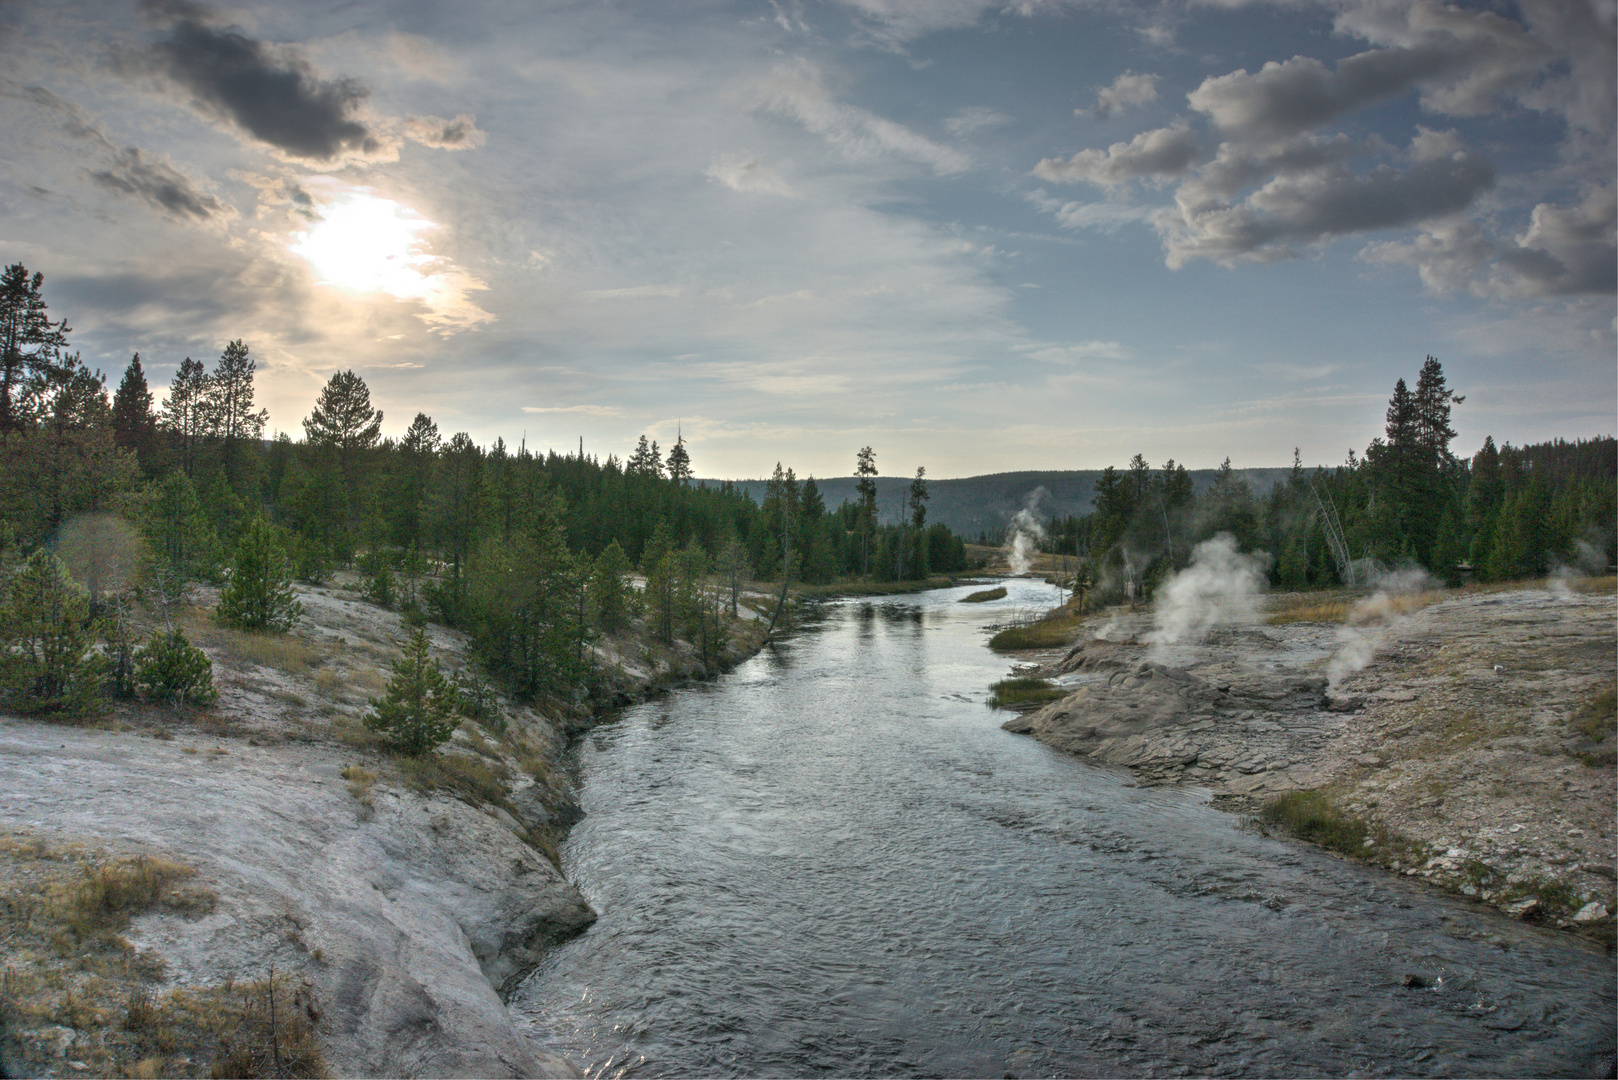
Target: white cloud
{"x":973,"y":119}
{"x":796,"y":89}
{"x":1162,"y":152}
{"x":635,"y":292}
{"x":578,"y":410}
{"x":741,"y":172}
{"x":1126,"y":92}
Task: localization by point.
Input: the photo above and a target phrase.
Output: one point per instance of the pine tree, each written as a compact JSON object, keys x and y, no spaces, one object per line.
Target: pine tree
{"x":607,"y":585}
{"x":30,"y":343}
{"x":230,"y":407}
{"x":185,"y":414}
{"x":259,"y":594}
{"x":343,"y":423}
{"x":679,"y":462}
{"x":47,"y":633}
{"x":865,"y":469}
{"x":419,"y":710}
{"x":134,"y":425}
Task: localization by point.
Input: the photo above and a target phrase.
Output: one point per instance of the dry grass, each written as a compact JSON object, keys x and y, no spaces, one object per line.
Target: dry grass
{"x":282,"y":652}
{"x":360,"y":781}
{"x":1341,"y":605}
{"x":1048,"y":633}
{"x":65,"y":966}
{"x":473,"y":779}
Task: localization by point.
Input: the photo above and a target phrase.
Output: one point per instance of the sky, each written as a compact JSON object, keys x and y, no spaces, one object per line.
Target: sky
{"x":976,"y":235}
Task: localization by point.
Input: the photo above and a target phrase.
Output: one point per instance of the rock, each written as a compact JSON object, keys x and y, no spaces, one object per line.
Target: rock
{"x":1416,"y":980}
{"x":1594,"y":911}
{"x":1522,"y":909}
{"x":1601,"y":869}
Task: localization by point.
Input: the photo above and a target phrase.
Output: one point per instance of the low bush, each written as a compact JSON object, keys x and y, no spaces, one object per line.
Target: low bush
{"x":1022,"y":693}
{"x":1045,"y":634}
{"x":1308,"y":815}
{"x":420,"y":708}
{"x":985,"y":595}
{"x":170,"y":668}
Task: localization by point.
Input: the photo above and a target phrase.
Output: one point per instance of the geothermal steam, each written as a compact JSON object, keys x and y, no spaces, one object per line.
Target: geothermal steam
{"x":1024,"y":533}
{"x":1372,"y":621}
{"x":1220,"y":586}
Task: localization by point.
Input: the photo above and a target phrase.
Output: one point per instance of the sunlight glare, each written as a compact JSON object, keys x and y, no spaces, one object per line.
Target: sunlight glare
{"x":368,"y":244}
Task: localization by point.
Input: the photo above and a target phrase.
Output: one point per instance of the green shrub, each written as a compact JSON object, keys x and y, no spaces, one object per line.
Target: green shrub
{"x":1309,"y":816}
{"x":47,"y":664}
{"x":419,"y":710}
{"x":983,"y":595}
{"x":170,"y":668}
{"x":1023,"y":692}
{"x":376,"y":574}
{"x":259,"y":594}
{"x":479,"y":700}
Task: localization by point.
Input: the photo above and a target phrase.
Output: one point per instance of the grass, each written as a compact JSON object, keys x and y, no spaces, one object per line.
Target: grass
{"x":985,"y":595}
{"x":65,"y":965}
{"x":280,"y":651}
{"x":1340,"y":605}
{"x":1023,"y":693}
{"x":1309,"y":815}
{"x":855,"y":587}
{"x":1046,"y":633}
{"x":1597,"y":722}
{"x":360,"y":781}
{"x":473,"y":779}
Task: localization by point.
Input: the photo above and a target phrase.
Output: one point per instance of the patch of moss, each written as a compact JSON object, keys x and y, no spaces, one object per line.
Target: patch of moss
{"x":985,"y":595}
{"x":1024,"y":693}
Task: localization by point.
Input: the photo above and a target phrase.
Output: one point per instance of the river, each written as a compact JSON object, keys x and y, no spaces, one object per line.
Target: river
{"x":832,"y":861}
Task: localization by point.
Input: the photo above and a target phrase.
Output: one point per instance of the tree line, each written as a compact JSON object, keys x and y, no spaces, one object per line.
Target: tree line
{"x":529,"y":552}
{"x":1505,"y":513}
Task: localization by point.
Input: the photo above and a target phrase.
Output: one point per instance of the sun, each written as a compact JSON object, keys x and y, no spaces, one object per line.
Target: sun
{"x":367,"y":244}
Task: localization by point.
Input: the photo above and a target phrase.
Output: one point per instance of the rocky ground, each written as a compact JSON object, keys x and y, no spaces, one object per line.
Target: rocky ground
{"x":1469,"y":735}
{"x":396,"y":900}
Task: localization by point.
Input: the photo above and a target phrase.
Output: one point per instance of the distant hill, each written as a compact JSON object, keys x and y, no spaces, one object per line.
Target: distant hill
{"x":985,"y":504}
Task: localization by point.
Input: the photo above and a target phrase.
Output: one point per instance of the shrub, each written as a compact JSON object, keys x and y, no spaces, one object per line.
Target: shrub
{"x":479,"y":700}
{"x":1024,"y":693}
{"x":984,"y":595}
{"x":376,"y":573}
{"x":172,"y":669}
{"x":1309,"y":816}
{"x":418,"y":711}
{"x":46,"y":633}
{"x":259,"y":594}
{"x":1045,"y":634}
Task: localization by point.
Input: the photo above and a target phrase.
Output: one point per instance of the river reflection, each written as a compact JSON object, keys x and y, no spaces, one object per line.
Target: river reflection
{"x":834,"y":862}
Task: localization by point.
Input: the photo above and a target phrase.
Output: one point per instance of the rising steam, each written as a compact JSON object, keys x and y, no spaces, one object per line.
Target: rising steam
{"x":1221,"y":585}
{"x":1024,"y":533}
{"x":1373,"y":620}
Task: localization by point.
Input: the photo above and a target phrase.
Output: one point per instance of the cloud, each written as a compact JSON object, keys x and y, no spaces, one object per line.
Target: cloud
{"x":581,"y":410}
{"x":1565,"y":251}
{"x":160,"y":184}
{"x":795,"y":90}
{"x":1079,"y":351}
{"x":743,"y":173}
{"x":269,"y":92}
{"x":1463,"y":60}
{"x":893,"y":22}
{"x":1162,"y":152}
{"x":973,"y":119}
{"x":1309,"y":206}
{"x":1127,"y":91}
{"x":129,"y":170}
{"x":460,"y":133}
{"x":635,"y":292}
{"x":1104,"y":216}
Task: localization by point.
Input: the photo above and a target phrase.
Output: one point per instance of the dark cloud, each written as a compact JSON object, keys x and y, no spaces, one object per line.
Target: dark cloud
{"x":271,"y":93}
{"x":460,"y":133}
{"x":1316,"y":205}
{"x":160,"y":184}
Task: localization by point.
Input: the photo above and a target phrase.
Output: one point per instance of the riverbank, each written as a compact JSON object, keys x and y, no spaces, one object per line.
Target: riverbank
{"x":1467,"y":743}
{"x":394,"y":902}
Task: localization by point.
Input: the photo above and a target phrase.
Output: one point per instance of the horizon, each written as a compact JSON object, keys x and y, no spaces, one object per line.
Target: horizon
{"x":977,"y":237}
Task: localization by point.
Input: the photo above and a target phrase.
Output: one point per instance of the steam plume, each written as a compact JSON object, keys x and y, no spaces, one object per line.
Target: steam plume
{"x":1025,"y":532}
{"x":1221,"y":585}
{"x":1372,"y":621}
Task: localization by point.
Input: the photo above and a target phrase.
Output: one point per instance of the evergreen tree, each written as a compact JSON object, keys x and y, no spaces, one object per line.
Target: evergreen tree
{"x":231,"y":416}
{"x":865,"y":469}
{"x":609,"y":587}
{"x":259,"y":595}
{"x":185,"y":413}
{"x":679,"y":462}
{"x":169,"y":668}
{"x":47,"y":633}
{"x":134,"y":425}
{"x":345,"y":426}
{"x":420,"y":708}
{"x":30,"y":343}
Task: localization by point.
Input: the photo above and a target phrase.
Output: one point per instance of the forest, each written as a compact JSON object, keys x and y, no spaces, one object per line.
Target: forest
{"x":1505,"y":513}
{"x":528,"y":552}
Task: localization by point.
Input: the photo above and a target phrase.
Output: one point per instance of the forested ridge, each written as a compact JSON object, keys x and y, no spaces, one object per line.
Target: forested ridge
{"x":1506,"y":512}
{"x":529,"y":552}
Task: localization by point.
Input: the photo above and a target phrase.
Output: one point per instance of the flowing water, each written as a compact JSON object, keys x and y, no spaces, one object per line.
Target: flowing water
{"x":833,"y":862}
